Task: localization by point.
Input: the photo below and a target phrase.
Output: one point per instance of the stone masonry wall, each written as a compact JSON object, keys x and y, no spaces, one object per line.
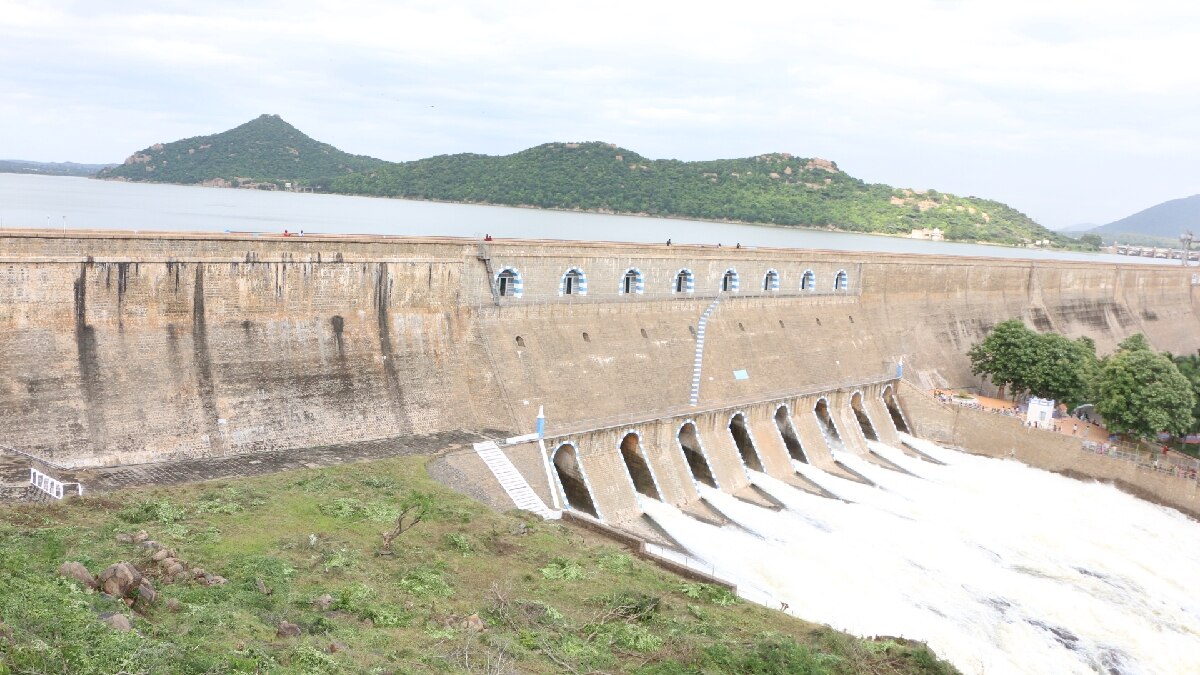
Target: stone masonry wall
{"x":120,"y":347}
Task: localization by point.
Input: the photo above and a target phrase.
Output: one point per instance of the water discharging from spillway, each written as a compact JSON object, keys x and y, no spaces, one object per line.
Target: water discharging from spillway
{"x":999,"y":567}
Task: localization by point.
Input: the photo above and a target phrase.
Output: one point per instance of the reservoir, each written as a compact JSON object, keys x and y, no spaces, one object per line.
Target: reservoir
{"x":31,"y":201}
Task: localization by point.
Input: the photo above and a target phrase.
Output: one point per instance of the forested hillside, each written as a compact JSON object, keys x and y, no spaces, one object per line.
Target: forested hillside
{"x":1157,"y":225}
{"x":777,"y":188}
{"x":264,"y":152}
{"x":774,"y":188}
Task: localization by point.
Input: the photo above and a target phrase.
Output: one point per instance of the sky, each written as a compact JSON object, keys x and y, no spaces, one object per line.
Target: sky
{"x":1070,"y":111}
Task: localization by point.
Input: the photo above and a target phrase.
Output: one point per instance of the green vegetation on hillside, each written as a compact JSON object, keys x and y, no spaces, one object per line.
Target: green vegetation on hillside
{"x":776,"y":188}
{"x":265,"y":150}
{"x":50,"y":168}
{"x":1136,"y":390}
{"x":466,"y":590}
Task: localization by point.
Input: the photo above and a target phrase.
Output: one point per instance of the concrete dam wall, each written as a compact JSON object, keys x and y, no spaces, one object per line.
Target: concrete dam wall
{"x":123,"y":348}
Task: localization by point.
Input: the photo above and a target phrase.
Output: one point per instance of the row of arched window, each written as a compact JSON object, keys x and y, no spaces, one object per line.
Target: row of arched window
{"x":574,"y":282}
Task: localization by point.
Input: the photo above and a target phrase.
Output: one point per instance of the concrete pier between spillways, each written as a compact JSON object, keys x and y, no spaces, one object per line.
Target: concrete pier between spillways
{"x":121,"y":348}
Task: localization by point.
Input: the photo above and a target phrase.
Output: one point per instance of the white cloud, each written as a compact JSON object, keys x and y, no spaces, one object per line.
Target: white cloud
{"x":996,"y":99}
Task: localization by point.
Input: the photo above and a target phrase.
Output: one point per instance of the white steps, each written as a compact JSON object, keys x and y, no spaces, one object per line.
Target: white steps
{"x":694,"y":399}
{"x":512,"y":481}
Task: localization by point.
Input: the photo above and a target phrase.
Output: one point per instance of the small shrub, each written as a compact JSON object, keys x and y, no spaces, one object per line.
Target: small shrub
{"x":718,"y":595}
{"x":616,"y":562}
{"x":459,"y":543}
{"x":159,"y":511}
{"x":340,"y":559}
{"x":563,"y":569}
{"x":343,"y":508}
{"x":379,"y":482}
{"x":380,"y":513}
{"x":632,"y":636}
{"x":426,"y":582}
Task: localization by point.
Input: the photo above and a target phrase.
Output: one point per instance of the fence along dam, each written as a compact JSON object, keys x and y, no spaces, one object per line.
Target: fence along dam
{"x":749,"y":411}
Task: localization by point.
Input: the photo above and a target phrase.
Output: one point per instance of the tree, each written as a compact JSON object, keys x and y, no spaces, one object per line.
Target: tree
{"x":1189,"y":367}
{"x":1005,"y":354}
{"x":1061,"y":369}
{"x":1141,"y":392}
{"x":1092,"y":241}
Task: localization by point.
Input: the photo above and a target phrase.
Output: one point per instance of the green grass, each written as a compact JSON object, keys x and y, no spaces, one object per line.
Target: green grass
{"x":554,"y":598}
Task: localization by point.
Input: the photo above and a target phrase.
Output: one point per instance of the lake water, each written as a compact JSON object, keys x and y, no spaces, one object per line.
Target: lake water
{"x":30,"y":201}
{"x":1001,"y":568}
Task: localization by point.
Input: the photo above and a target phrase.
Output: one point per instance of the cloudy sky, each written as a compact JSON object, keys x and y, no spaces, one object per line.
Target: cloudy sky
{"x":1071,"y":111}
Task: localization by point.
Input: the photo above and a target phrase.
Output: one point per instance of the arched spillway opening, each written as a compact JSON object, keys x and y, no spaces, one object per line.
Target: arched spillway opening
{"x":821,"y":410}
{"x":864,"y":421}
{"x":783,"y":420}
{"x":689,"y":441}
{"x":639,"y":469}
{"x":745,"y":445}
{"x":893,"y":406}
{"x":573,"y":482}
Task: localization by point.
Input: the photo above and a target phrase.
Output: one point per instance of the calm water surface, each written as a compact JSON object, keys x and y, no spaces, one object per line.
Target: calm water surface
{"x":51,"y":201}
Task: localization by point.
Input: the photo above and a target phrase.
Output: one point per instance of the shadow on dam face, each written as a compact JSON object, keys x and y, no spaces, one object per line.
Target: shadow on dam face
{"x":635,"y":463}
{"x":745,"y":446}
{"x":893,"y":406}
{"x":821,"y":410}
{"x":788,"y":432}
{"x":868,"y":429}
{"x":570,"y":476}
{"x":690,"y":442}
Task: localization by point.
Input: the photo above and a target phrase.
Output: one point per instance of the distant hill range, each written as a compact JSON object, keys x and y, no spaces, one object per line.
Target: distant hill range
{"x":1157,"y":225}
{"x":51,"y":168}
{"x":776,"y":188}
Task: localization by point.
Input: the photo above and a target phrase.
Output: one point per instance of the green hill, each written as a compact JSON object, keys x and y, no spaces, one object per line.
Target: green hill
{"x":263,"y":150}
{"x":1157,"y":225}
{"x":50,"y":168}
{"x":779,"y":189}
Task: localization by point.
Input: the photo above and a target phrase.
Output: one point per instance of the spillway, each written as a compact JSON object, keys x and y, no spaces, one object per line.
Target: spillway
{"x":1001,"y":568}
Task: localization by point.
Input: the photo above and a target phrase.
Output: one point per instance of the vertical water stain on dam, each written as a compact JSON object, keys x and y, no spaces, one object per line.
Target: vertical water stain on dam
{"x":200,"y":355}
{"x":89,"y":364}
{"x":391,"y":371}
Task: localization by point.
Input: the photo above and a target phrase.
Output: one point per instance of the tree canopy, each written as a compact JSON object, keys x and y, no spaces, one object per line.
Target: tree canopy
{"x":1046,"y":365}
{"x":1141,"y":392}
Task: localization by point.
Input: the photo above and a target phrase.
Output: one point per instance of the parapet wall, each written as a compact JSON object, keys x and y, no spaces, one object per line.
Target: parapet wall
{"x":121,"y":347}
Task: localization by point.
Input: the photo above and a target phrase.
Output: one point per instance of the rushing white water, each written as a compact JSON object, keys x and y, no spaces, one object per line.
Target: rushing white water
{"x":999,"y":567}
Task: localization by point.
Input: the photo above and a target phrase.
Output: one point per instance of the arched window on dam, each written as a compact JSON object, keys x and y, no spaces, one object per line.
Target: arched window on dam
{"x":771,"y":281}
{"x":893,"y":406}
{"x":573,"y":282}
{"x":689,"y":441}
{"x":864,"y":421}
{"x":685,"y":281}
{"x":729,"y":281}
{"x":631,"y":283}
{"x":638,"y":467}
{"x":841,"y":282}
{"x":572,"y":480}
{"x":821,"y":410}
{"x":745,"y":446}
{"x":783,"y":420}
{"x":808,"y":282}
{"x":508,"y":283}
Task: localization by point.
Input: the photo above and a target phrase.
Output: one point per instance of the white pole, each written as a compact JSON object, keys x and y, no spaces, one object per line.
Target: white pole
{"x":550,"y":483}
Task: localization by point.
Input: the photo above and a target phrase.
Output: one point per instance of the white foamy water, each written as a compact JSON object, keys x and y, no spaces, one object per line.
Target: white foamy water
{"x":999,"y":567}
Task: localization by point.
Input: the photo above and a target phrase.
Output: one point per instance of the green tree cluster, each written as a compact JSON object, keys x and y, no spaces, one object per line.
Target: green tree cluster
{"x":1137,"y":390}
{"x":1046,"y":365}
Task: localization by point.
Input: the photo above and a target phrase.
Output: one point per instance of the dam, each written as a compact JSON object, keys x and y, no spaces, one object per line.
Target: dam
{"x":730,"y":406}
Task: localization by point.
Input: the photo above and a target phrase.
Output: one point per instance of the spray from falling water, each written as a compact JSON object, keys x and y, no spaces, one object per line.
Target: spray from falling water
{"x":1001,"y":568}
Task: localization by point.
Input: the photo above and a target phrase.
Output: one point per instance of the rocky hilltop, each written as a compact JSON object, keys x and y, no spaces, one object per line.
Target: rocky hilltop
{"x":264,"y":152}
{"x":774,"y":188}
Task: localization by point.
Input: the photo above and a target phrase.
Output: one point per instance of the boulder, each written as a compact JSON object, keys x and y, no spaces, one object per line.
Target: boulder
{"x":474,"y":624}
{"x":262,"y":587}
{"x":335,"y":647}
{"x":172,"y":567}
{"x":146,"y":593}
{"x":140,"y":536}
{"x":119,"y":579}
{"x":160,"y":554}
{"x":324,"y":602}
{"x":76,"y":571}
{"x":288,"y":629}
{"x":118,"y":622}
{"x":174,"y":605}
{"x":124,"y":538}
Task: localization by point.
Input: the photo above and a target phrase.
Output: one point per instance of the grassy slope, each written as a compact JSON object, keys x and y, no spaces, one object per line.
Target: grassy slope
{"x":308,"y":533}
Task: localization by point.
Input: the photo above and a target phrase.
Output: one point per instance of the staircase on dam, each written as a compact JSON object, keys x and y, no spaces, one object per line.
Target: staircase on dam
{"x":699,"y":362}
{"x":512,"y":481}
